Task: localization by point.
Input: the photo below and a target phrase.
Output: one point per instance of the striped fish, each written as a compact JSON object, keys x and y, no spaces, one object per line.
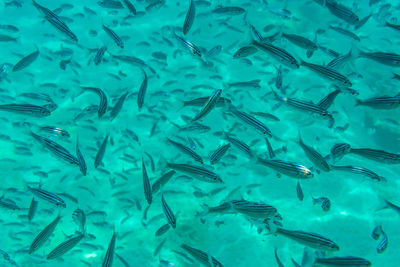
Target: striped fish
{"x":142,"y":91}
{"x":130,"y":6}
{"x":309,"y":239}
{"x":359,"y":170}
{"x":271,"y":153}
{"x":314,"y":156}
{"x":26,"y":61}
{"x":345,"y":32}
{"x":240,"y":145}
{"x":254,"y":209}
{"x":118,"y":106}
{"x":389,"y":59}
{"x":339,"y":61}
{"x":114,"y":36}
{"x":81,"y":159}
{"x":229,"y":10}
{"x":219,"y":153}
{"x":252,"y":121}
{"x":381,"y":102}
{"x":26,"y":109}
{"x":194,"y":50}
{"x":103,"y":99}
{"x":328,"y":73}
{"x":377,"y":155}
{"x":278,"y":53}
{"x":201,"y":101}
{"x":168,"y":212}
{"x":343,"y":261}
{"x":48,"y":196}
{"x":199,"y":172}
{"x":56,"y":149}
{"x":307,"y":106}
{"x":301,"y":41}
{"x":291,"y":169}
{"x":202,"y":256}
{"x":42,"y":237}
{"x":162,"y":181}
{"x":209,"y":105}
{"x":189,"y":19}
{"x":65,"y":246}
{"x":186,"y":150}
{"x":54,"y":130}
{"x":100,"y":154}
{"x":32,"y":209}
{"x":339,"y":150}
{"x":146,"y":184}
{"x":99,"y":55}
{"x":62,"y":27}
{"x":382,"y":245}
{"x":109,"y":257}
{"x":327,"y":101}
{"x":341,"y":12}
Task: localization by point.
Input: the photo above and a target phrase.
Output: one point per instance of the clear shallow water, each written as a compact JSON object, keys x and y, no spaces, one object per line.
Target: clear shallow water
{"x":112,"y":195}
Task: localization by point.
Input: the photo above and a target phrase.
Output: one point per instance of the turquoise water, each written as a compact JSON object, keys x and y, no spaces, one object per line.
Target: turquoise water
{"x":55,"y":80}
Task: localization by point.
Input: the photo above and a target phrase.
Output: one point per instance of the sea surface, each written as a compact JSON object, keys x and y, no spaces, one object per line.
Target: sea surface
{"x":199,"y":133}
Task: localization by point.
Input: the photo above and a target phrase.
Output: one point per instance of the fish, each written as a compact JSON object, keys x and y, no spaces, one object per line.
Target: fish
{"x":130,"y":6}
{"x":42,"y":237}
{"x":377,"y":155}
{"x":109,"y":256}
{"x":99,"y":55}
{"x":252,"y":121}
{"x":168,"y":212}
{"x":345,"y":32}
{"x":279,"y":78}
{"x":199,"y":172}
{"x":377,"y":232}
{"x":62,"y":27}
{"x":26,"y":109}
{"x":25,"y":61}
{"x":390,"y":59}
{"x":343,"y":261}
{"x":81,"y":159}
{"x":32,"y":209}
{"x":163,"y":229}
{"x":314,"y":156}
{"x":253,"y":209}
{"x":48,"y":196}
{"x":300,"y":41}
{"x":100,"y":153}
{"x":65,"y":246}
{"x":278,"y":261}
{"x":8,"y":203}
{"x":308,"y":239}
{"x":186,"y":150}
{"x":359,"y":170}
{"x":209,"y":105}
{"x":291,"y":169}
{"x":189,"y":19}
{"x":380,"y":102}
{"x":240,"y":145}
{"x":54,"y":130}
{"x":299,"y":191}
{"x":110,"y":4}
{"x":114,"y":36}
{"x":308,"y":107}
{"x":382,"y":245}
{"x":146,"y":184}
{"x":202,"y":256}
{"x":79,"y":218}
{"x":201,"y":101}
{"x":337,"y":62}
{"x":118,"y":106}
{"x":327,"y":101}
{"x":271,"y":152}
{"x":56,"y":149}
{"x":193,"y":49}
{"x":219,"y":153}
{"x":228,"y":10}
{"x":142,"y":91}
{"x":162,"y":181}
{"x":328,"y":73}
{"x":245,"y":51}
{"x":324,"y":201}
{"x":340,"y":11}
{"x":7,"y":38}
{"x":339,"y":150}
{"x":251,"y":83}
{"x":278,"y":53}
{"x":102,"y":108}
